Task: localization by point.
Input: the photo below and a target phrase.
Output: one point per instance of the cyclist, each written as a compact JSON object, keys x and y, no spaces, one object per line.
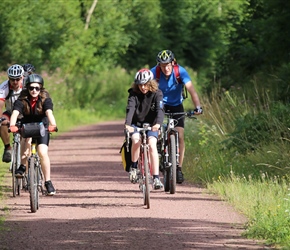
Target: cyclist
{"x":9,"y":92}
{"x":28,"y":70}
{"x":35,"y":104}
{"x":172,"y":97}
{"x":144,"y":105}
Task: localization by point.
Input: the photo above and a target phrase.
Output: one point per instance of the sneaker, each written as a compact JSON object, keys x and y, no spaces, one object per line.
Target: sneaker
{"x":49,"y":187}
{"x":133,"y":175}
{"x":19,"y":172}
{"x":157,"y":184}
{"x":179,"y":177}
{"x":7,"y":155}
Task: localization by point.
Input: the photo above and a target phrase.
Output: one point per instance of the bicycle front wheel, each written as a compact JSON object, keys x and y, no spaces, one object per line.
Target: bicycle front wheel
{"x":33,"y":186}
{"x":15,"y":163}
{"x":172,"y":171}
{"x":147,"y":176}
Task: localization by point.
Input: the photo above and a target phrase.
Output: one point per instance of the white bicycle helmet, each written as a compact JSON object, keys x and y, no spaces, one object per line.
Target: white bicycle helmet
{"x":143,"y":76}
{"x":15,"y":71}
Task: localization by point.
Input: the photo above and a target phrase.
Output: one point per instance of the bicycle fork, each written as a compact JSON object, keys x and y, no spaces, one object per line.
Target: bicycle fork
{"x":37,"y":168}
{"x":167,"y":163}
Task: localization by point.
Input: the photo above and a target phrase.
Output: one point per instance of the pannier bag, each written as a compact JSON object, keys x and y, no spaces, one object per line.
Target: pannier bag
{"x":125,"y":152}
{"x":35,"y":129}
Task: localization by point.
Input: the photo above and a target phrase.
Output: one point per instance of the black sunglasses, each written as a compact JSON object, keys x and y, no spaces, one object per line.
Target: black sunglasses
{"x":32,"y":88}
{"x":15,"y":79}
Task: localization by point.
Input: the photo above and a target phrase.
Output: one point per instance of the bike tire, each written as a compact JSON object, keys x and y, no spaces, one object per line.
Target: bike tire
{"x":13,"y":168}
{"x":33,"y":186}
{"x":15,"y":162}
{"x":146,"y":175}
{"x":166,"y":179}
{"x":172,"y":170}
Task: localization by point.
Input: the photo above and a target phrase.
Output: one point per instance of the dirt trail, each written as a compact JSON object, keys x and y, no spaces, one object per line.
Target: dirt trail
{"x":96,"y":207}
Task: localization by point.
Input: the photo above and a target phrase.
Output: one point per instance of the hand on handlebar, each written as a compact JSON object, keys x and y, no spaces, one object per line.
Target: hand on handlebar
{"x":129,"y":128}
{"x":13,"y":129}
{"x":52,"y":128}
{"x":198,"y":110}
{"x":4,"y":121}
{"x":156,"y":127}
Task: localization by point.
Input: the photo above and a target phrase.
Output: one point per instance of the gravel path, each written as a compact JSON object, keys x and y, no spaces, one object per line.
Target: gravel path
{"x":96,"y":207}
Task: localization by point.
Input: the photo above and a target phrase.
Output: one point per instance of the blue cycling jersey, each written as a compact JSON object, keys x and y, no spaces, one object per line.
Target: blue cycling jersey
{"x":172,"y":90}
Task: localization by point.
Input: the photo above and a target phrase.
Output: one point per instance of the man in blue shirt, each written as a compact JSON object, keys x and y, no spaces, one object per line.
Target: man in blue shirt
{"x":172,"y":96}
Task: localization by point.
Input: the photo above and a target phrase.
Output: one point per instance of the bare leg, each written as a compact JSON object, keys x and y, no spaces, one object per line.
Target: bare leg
{"x":154,"y":155}
{"x":135,"y":150}
{"x":181,"y":144}
{"x":44,"y":160}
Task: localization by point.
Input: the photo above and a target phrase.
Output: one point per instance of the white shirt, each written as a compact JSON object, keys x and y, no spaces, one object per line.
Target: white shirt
{"x":13,"y":95}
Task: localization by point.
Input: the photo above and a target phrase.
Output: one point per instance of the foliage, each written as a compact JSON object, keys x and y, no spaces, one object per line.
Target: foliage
{"x":237,"y":53}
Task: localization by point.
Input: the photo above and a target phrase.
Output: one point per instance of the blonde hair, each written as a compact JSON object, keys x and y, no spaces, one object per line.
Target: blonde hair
{"x":152,"y":86}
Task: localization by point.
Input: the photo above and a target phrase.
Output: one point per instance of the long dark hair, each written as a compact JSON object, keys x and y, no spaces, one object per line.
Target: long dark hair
{"x":25,"y":95}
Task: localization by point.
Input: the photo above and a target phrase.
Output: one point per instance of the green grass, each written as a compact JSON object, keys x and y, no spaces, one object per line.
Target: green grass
{"x":265,"y":202}
{"x":240,"y":150}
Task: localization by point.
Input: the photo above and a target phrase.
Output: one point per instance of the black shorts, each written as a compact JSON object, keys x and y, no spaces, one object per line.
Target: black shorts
{"x":44,"y":139}
{"x":174,"y":109}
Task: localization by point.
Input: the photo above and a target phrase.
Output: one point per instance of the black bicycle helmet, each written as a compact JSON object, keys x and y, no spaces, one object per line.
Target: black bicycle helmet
{"x":165,"y":56}
{"x":28,"y":68}
{"x":34,"y":78}
{"x":143,"y":76}
{"x":15,"y":71}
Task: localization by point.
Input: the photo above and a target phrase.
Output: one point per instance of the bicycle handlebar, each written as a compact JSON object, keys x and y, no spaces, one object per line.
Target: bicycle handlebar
{"x":189,"y":114}
{"x":18,"y":125}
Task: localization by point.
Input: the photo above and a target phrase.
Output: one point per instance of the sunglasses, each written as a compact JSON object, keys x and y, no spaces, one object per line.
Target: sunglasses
{"x":32,"y":88}
{"x":16,"y":79}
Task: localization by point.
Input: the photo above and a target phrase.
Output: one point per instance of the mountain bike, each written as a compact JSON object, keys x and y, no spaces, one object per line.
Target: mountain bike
{"x":17,"y":183}
{"x":15,"y":161}
{"x":35,"y":174}
{"x":144,"y":168}
{"x":168,"y":148}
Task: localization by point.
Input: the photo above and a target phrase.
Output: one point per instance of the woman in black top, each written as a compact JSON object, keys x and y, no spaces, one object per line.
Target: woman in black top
{"x":35,"y":105}
{"x":145,"y":105}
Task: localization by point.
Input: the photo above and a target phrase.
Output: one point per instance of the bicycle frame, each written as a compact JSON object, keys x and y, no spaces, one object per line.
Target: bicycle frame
{"x":35,"y":177}
{"x":169,"y":140}
{"x":168,"y":129}
{"x":144,"y":167}
{"x":15,"y":163}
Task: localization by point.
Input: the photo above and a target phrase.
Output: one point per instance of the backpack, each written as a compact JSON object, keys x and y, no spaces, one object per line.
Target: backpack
{"x":177,"y":75}
{"x":125,"y":152}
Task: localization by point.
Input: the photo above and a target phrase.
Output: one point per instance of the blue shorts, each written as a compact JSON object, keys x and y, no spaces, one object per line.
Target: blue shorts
{"x":149,"y":132}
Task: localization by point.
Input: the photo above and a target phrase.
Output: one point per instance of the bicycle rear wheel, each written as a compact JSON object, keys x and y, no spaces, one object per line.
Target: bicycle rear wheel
{"x":33,"y":186}
{"x":147,"y":183}
{"x":172,"y":170}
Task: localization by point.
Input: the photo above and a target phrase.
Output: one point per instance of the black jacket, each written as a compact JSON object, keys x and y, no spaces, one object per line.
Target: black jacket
{"x":34,"y":116}
{"x":146,"y":108}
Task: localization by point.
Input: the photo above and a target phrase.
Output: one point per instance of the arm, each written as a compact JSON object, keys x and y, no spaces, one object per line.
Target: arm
{"x":159,"y":110}
{"x":2,"y":104}
{"x":130,"y":110}
{"x":13,"y":117}
{"x":194,"y":95}
{"x":50,"y":117}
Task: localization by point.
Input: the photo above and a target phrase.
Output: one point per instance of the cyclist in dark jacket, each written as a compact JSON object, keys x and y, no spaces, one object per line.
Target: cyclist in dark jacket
{"x":35,"y":105}
{"x":145,"y":105}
